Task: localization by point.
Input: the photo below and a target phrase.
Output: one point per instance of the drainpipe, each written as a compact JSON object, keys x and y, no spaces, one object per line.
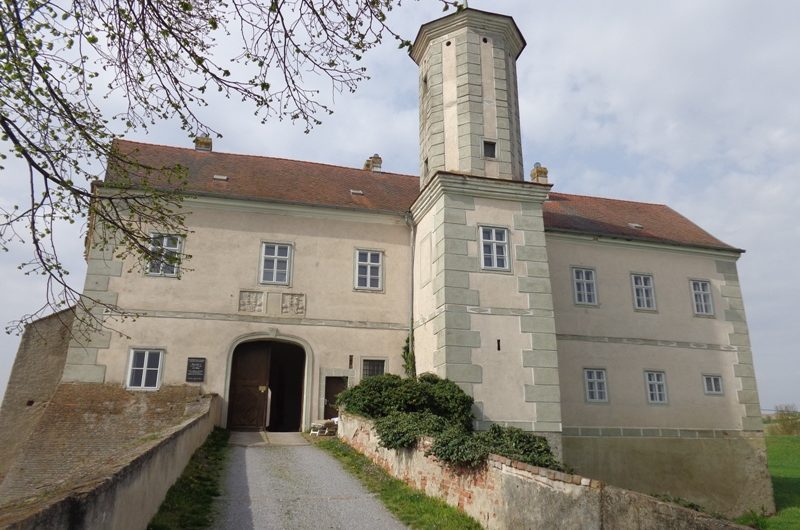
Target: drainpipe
{"x":412,"y":242}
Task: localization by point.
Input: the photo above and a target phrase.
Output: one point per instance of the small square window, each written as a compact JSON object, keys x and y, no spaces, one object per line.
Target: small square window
{"x":701,"y":298}
{"x":372,"y":367}
{"x":712,"y":384}
{"x":595,"y":385}
{"x":583,"y":282}
{"x":276,"y":264}
{"x":369,"y":270}
{"x":644,"y":293}
{"x":145,"y":369}
{"x":494,"y":245}
{"x":165,"y":253}
{"x":489,"y":149}
{"x":656,"y":387}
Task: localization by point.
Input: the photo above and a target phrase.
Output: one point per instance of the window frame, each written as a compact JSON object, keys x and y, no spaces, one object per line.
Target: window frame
{"x":575,"y":281}
{"x":289,"y":262}
{"x":710,"y":293}
{"x":361,"y":375}
{"x":652,"y":288}
{"x":159,"y":370}
{"x":369,"y":264}
{"x":178,"y":251}
{"x":663,"y":382}
{"x":586,"y":381}
{"x":721,"y":391}
{"x":506,"y":244}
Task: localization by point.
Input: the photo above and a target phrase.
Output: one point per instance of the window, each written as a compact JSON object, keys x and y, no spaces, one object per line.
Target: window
{"x":656,"y":387}
{"x":165,"y":251}
{"x":712,"y":384}
{"x":145,"y":369}
{"x":277,"y":263}
{"x":494,"y":242}
{"x":644,"y":294}
{"x":489,"y":149}
{"x":369,"y":270}
{"x":371,"y":367}
{"x":585,"y":290}
{"x":701,"y":297}
{"x":595,"y":383}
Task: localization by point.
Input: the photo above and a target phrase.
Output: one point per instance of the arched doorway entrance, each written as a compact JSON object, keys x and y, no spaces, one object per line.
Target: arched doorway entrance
{"x":266,"y":386}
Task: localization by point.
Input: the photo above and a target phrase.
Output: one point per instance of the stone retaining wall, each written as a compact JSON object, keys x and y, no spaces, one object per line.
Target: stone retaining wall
{"x":510,"y":494}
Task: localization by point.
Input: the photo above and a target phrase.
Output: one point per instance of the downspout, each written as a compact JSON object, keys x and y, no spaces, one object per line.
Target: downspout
{"x":412,"y":243}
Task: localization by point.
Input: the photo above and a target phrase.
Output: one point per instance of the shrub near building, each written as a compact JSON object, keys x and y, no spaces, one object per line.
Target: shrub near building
{"x":405,"y":409}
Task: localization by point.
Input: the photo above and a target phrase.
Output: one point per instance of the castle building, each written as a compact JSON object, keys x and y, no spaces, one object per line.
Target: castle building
{"x":616,"y":329}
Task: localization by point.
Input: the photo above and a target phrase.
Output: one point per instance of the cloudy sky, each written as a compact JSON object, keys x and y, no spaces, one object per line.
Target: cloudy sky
{"x":692,"y":104}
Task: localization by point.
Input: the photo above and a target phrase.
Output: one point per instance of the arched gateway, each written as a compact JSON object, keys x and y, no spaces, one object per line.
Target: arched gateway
{"x":266,"y":386}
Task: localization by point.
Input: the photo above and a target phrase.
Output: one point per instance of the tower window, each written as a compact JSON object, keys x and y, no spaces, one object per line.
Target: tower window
{"x":489,"y":149}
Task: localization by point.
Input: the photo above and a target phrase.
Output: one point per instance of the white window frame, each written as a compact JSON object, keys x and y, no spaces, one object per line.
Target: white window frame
{"x":495,"y":244}
{"x":288,"y":259}
{"x":365,"y":360}
{"x":159,"y":370}
{"x":651,"y":288}
{"x":660,"y":382}
{"x":579,"y":285}
{"x":594,"y":384}
{"x":163,"y":250}
{"x":704,"y":306}
{"x":713,"y":391}
{"x":370,"y":267}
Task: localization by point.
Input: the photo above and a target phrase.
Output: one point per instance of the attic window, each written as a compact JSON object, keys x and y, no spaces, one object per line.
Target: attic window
{"x":489,"y":149}
{"x":221,"y":177}
{"x":356,"y":192}
{"x":636,"y":226}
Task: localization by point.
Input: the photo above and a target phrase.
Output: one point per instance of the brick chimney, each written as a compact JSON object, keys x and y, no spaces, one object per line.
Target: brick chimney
{"x":202,"y":143}
{"x":374,"y":163}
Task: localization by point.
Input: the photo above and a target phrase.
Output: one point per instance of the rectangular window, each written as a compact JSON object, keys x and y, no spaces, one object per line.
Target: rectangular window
{"x":712,"y":384}
{"x":165,"y":252}
{"x":489,"y":149}
{"x":276,"y":265}
{"x":145,"y":370}
{"x":372,"y":367}
{"x":644,"y":294}
{"x":595,"y":382}
{"x":701,"y":297}
{"x":369,"y":270}
{"x":494,"y":244}
{"x":656,"y":387}
{"x":584,"y":284}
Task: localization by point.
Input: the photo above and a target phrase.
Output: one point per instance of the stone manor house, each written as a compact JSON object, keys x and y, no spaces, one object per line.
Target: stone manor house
{"x":614,"y":328}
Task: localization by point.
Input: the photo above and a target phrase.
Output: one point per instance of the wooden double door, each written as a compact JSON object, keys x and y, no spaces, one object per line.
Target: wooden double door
{"x":266,"y":387}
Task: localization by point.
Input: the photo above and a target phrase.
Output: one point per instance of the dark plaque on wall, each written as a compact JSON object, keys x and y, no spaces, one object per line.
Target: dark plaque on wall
{"x":196,"y":370}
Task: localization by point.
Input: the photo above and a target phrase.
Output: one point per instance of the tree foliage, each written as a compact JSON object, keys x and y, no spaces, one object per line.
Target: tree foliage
{"x":63,"y":65}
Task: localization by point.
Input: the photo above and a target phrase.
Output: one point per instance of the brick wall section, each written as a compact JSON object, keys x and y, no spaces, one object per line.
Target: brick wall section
{"x":34,"y":377}
{"x":90,"y":430}
{"x":510,"y":494}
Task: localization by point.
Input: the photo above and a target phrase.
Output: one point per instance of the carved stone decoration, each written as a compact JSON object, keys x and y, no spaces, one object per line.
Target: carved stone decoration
{"x":293,"y":304}
{"x":251,"y":301}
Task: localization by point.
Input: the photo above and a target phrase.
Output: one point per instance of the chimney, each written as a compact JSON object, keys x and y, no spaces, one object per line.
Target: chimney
{"x":202,"y":143}
{"x":539,"y":174}
{"x":374,"y":163}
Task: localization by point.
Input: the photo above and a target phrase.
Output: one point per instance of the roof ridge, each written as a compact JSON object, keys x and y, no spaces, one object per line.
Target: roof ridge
{"x":264,"y":157}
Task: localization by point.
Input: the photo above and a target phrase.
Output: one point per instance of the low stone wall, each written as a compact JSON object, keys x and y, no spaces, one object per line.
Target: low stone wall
{"x":128,"y":497}
{"x":509,"y":494}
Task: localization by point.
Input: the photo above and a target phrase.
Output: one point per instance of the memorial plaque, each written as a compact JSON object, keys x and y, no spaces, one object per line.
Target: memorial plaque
{"x":196,"y":370}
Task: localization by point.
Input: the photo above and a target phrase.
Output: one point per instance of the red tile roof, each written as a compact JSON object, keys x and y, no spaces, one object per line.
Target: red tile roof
{"x":292,"y":181}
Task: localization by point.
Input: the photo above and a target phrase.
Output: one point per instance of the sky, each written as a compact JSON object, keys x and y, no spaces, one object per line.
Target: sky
{"x":691,"y":104}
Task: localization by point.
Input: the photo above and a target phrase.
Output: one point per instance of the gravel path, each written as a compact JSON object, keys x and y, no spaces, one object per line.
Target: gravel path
{"x":285,"y":485}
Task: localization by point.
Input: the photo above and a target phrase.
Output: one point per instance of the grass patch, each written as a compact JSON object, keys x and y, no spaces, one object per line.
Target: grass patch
{"x":783,"y":453}
{"x":410,"y":506}
{"x":189,"y":503}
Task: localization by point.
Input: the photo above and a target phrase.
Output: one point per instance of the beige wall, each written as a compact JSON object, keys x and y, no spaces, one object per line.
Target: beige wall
{"x":626,"y":342}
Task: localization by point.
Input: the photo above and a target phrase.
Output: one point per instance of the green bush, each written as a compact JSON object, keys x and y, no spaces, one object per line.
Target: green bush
{"x":517,"y":444}
{"x":448,"y":400}
{"x":459,"y":448}
{"x":373,"y":397}
{"x":400,"y":430}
